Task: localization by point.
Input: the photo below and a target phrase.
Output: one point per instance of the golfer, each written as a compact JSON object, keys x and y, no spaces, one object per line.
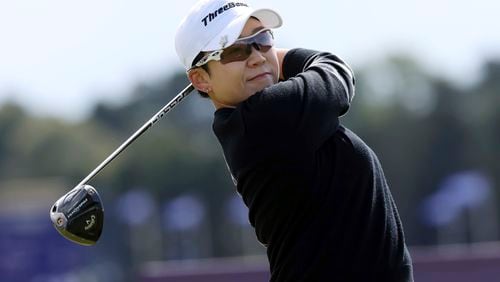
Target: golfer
{"x":316,"y":193}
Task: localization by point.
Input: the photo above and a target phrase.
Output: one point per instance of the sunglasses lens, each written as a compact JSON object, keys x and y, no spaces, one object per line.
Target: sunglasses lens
{"x":235,"y":53}
{"x":264,"y":48}
{"x":242,"y":49}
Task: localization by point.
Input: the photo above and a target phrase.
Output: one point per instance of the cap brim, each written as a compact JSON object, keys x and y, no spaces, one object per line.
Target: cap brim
{"x":268,"y":18}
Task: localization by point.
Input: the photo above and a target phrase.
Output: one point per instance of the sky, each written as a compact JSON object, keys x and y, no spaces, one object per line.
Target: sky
{"x":58,"y":58}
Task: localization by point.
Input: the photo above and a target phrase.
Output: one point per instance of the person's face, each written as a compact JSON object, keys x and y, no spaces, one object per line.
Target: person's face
{"x":232,"y":83}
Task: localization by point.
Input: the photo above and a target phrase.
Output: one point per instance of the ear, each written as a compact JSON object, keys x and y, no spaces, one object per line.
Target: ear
{"x":200,"y":79}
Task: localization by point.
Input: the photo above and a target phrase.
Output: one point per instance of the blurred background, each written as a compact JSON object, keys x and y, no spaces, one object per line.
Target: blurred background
{"x":77,"y":78}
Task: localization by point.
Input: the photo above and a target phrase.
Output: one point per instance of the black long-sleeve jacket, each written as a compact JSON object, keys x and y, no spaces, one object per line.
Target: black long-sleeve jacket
{"x":316,"y":193}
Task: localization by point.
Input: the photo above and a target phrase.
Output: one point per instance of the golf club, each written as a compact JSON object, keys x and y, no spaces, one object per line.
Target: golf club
{"x":79,"y":214}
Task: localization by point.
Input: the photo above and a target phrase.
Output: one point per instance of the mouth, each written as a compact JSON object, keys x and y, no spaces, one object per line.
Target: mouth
{"x":260,"y":76}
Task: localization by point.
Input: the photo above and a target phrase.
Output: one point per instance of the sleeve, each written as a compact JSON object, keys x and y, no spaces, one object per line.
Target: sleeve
{"x":304,"y":109}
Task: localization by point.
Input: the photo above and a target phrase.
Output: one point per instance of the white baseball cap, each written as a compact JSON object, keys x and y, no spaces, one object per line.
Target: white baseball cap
{"x":215,"y":24}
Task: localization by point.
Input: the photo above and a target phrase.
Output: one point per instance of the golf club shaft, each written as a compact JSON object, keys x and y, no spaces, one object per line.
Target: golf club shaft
{"x":177,"y":99}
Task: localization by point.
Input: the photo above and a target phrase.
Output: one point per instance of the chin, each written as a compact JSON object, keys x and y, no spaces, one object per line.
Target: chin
{"x":264,"y":86}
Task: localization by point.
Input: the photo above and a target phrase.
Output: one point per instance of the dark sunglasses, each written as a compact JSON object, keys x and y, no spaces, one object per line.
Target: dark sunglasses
{"x":241,"y":49}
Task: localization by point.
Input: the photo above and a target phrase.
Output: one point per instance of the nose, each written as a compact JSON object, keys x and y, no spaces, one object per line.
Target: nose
{"x":256,"y":57}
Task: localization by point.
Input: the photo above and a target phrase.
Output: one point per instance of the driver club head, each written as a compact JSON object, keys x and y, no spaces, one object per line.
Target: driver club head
{"x":79,"y":215}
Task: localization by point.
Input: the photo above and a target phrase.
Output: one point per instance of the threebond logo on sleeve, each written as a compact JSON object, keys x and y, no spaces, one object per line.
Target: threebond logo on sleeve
{"x":211,"y":16}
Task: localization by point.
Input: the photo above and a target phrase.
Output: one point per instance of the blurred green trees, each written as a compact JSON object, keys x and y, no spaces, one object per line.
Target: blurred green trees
{"x":422,"y":127}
